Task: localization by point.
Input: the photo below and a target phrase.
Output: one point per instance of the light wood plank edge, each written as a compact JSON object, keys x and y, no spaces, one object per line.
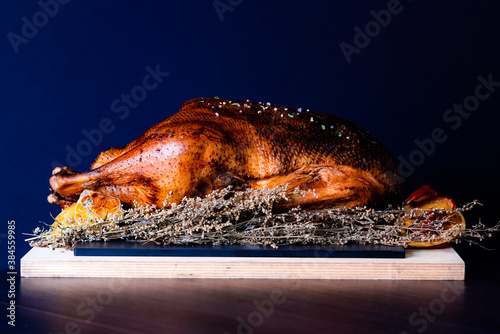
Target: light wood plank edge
{"x":419,"y":264}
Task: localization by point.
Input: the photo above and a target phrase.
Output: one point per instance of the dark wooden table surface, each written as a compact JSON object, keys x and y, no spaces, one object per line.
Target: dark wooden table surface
{"x":78,"y":305}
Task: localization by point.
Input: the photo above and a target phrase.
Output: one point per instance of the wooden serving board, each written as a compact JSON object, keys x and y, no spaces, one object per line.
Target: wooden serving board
{"x":418,"y":264}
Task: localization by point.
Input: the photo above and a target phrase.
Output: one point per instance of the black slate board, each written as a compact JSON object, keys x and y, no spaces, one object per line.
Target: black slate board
{"x":128,"y":248}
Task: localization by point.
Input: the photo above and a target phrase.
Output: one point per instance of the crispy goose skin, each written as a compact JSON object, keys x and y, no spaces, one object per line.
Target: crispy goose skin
{"x":212,"y":143}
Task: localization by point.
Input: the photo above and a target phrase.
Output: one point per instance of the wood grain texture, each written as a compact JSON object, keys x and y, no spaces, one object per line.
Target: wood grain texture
{"x":419,"y":264}
{"x":219,"y":306}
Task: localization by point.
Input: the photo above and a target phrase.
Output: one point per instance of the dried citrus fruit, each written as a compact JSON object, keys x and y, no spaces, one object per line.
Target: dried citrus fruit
{"x":422,"y":213}
{"x":90,"y":207}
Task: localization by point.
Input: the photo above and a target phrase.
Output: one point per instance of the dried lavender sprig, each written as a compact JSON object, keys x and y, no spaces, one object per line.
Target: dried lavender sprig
{"x":236,"y":217}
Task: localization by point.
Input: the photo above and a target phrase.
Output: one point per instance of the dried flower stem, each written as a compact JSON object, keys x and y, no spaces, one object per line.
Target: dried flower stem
{"x":247,"y":217}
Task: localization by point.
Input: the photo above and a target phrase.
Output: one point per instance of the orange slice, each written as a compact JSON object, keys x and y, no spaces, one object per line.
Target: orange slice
{"x":90,"y":207}
{"x":454,"y":222}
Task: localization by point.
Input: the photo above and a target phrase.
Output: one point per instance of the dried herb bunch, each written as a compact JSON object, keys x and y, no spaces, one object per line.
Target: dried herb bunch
{"x":246,"y":217}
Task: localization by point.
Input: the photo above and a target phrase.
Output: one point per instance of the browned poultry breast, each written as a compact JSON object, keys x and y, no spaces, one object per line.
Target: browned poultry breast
{"x":213,"y":143}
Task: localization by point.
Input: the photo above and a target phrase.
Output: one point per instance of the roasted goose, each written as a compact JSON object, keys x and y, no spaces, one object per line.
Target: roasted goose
{"x":213,"y":143}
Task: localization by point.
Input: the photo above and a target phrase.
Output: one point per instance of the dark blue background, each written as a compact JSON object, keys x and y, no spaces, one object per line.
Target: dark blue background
{"x":398,"y":87}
